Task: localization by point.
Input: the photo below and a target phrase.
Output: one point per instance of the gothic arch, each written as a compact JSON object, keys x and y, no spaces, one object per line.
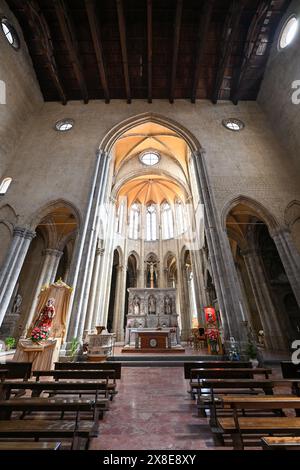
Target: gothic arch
{"x":48,"y":208}
{"x":292,"y":213}
{"x":8,"y":217}
{"x":116,"y":132}
{"x":255,"y":208}
{"x":137,"y":258}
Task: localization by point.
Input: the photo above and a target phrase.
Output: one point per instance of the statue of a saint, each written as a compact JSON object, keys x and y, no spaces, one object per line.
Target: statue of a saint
{"x":136,"y":305}
{"x":47,"y":314}
{"x":168,"y":305}
{"x":152,"y":305}
{"x":17,"y":305}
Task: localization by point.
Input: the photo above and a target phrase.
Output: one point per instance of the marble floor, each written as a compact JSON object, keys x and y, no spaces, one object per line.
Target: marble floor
{"x":153,"y":411}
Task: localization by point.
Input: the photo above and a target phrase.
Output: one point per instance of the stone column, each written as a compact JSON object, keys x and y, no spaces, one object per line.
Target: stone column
{"x":47,"y":276}
{"x":91,"y":317}
{"x":268,"y":315}
{"x":86,"y":249}
{"x":12,"y":266}
{"x":290,"y":258}
{"x":119,"y":303}
{"x":225,"y":277}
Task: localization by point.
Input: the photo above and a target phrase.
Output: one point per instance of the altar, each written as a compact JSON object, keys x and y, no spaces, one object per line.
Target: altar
{"x":152,"y":321}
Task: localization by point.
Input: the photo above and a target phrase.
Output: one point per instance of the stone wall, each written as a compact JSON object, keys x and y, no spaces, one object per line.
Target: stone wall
{"x":275,"y":95}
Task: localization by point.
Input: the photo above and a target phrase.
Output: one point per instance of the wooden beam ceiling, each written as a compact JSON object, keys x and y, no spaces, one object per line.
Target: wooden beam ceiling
{"x":37,"y":21}
{"x":95,"y":31}
{"x":204,"y":23}
{"x":229,"y":33}
{"x":69,"y":35}
{"x":176,"y":38}
{"x":122,"y":30}
{"x":149,"y":47}
{"x":254,"y":39}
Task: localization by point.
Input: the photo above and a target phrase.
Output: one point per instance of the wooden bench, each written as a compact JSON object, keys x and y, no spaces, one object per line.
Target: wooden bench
{"x":71,"y":388}
{"x":290,"y":370}
{"x":213,"y":365}
{"x":17,"y":370}
{"x":63,"y":405}
{"x":116,"y":366}
{"x":3,"y":374}
{"x":102,"y":375}
{"x":237,"y":426}
{"x":280,"y":443}
{"x":188,"y":366}
{"x":44,"y":429}
{"x":19,"y":445}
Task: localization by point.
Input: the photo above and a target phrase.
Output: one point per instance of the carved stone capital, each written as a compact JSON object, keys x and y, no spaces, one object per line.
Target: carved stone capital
{"x":24,"y":232}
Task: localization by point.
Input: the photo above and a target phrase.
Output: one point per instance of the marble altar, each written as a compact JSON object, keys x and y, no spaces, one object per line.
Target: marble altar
{"x":152,"y":309}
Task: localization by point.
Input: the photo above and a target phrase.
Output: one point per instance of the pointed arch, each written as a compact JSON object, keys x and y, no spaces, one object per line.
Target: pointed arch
{"x":253,"y":207}
{"x":116,"y":132}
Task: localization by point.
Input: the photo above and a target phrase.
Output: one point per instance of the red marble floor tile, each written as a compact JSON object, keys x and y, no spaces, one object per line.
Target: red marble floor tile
{"x":154,"y":411}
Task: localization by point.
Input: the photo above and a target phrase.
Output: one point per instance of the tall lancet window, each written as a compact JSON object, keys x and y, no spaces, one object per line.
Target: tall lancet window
{"x":151,"y":225}
{"x":4,"y":185}
{"x":134,"y":219}
{"x":180,"y":217}
{"x":120,"y":217}
{"x":167,"y":221}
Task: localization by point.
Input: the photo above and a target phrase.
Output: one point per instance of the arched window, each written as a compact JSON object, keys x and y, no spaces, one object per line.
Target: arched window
{"x":180,"y":217}
{"x":5,"y":185}
{"x":134,"y":218}
{"x":120,"y":217}
{"x":167,"y":222}
{"x":151,"y":223}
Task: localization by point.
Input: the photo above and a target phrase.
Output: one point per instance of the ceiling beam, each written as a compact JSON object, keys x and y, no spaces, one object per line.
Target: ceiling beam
{"x":253,"y":41}
{"x":122,"y":31}
{"x":205,"y":18}
{"x":72,"y":45}
{"x":176,"y":38}
{"x":95,"y":31}
{"x":38,"y":23}
{"x":149,"y":48}
{"x":231,"y":27}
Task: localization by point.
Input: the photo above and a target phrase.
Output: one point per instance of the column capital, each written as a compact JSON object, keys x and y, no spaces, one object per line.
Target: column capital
{"x":279,"y":231}
{"x":52,"y":252}
{"x":100,"y":251}
{"x":24,"y":232}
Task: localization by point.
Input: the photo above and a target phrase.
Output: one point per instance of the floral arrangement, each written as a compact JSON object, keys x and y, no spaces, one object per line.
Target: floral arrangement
{"x":39,"y":334}
{"x":212,"y":335}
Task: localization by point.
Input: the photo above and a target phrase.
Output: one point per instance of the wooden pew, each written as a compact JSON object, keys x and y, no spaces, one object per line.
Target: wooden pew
{"x":71,"y":388}
{"x":290,"y":370}
{"x":44,"y":429}
{"x":82,"y":375}
{"x":19,"y":445}
{"x":63,"y":405}
{"x":236,"y":426}
{"x":280,"y":443}
{"x":17,"y":370}
{"x":213,"y":365}
{"x":116,"y":366}
{"x":3,"y":374}
{"x":188,"y":366}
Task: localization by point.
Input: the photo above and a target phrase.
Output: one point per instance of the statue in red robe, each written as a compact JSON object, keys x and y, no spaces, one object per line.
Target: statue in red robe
{"x":47,"y":314}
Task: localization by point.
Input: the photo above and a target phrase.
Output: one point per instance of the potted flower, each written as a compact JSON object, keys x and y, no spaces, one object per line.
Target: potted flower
{"x":212,"y":337}
{"x":39,"y":334}
{"x":251,"y":351}
{"x":74,"y":348}
{"x":10,"y":343}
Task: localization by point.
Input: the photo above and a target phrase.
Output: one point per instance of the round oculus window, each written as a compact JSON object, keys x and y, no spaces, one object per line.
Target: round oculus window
{"x":233,"y":124}
{"x":288,"y":32}
{"x":10,"y":33}
{"x":150,"y":158}
{"x":64,"y":125}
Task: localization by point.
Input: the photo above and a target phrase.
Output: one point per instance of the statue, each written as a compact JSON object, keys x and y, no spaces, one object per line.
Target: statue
{"x":136,"y":305}
{"x":17,"y":305}
{"x":47,"y":314}
{"x":168,"y":305}
{"x":152,"y":305}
